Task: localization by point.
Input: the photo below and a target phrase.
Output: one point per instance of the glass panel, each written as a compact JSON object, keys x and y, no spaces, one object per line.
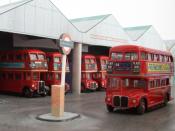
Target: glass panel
{"x":35,"y":76}
{"x":131,"y":56}
{"x":57,"y":59}
{"x":58,"y":76}
{"x":33,"y":57}
{"x":117,"y":56}
{"x":88,"y":76}
{"x":40,"y":56}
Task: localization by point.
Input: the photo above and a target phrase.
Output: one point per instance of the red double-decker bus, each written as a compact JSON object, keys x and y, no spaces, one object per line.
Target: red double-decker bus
{"x":100,"y":75}
{"x":20,"y":72}
{"x":53,"y":75}
{"x":89,"y":66}
{"x":138,"y":77}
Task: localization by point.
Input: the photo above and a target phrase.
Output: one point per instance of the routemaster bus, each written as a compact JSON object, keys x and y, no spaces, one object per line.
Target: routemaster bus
{"x":100,"y":75}
{"x":89,"y":66}
{"x":53,"y":75}
{"x":138,"y":77}
{"x":20,"y":72}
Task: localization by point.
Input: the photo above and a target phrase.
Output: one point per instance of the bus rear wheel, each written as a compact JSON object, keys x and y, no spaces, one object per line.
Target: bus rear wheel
{"x":27,"y":92}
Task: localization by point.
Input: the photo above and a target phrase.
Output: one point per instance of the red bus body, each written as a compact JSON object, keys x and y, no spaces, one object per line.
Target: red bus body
{"x":138,"y":78}
{"x":20,"y":72}
{"x":100,"y":75}
{"x":89,"y":66}
{"x":53,"y":75}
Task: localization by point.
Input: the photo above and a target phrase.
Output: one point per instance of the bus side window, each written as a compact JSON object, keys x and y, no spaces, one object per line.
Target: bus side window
{"x":17,"y":76}
{"x":10,"y":57}
{"x":171,"y":59}
{"x":144,"y":56}
{"x":163,"y":58}
{"x":167,"y":81}
{"x":3,"y":57}
{"x":19,"y":57}
{"x":1,"y":76}
{"x":152,"y":57}
{"x":149,"y":56}
{"x":157,"y":83}
{"x":163,"y":82}
{"x":151,"y":84}
{"x":25,"y":57}
{"x":156,"y":57}
{"x":10,"y":76}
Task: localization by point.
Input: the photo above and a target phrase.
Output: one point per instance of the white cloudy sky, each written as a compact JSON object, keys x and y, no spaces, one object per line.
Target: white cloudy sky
{"x":159,"y":13}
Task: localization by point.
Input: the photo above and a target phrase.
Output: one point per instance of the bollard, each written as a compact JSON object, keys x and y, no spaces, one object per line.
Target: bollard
{"x":57,"y":100}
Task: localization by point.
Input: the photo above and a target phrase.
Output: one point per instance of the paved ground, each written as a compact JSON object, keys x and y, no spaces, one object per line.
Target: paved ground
{"x":19,"y":114}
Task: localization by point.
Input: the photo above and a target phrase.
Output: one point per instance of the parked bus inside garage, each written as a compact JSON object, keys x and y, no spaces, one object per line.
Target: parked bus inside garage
{"x":20,"y":72}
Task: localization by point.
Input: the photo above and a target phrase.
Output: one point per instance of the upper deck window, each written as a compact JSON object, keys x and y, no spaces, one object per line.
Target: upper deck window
{"x":40,"y":56}
{"x":92,"y":60}
{"x":131,"y":56}
{"x":87,"y":60}
{"x":144,"y":55}
{"x":33,"y":57}
{"x":57,"y":59}
{"x":117,"y":56}
{"x":104,"y":62}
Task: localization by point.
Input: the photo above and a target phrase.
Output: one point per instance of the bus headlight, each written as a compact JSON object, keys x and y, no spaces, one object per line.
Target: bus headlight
{"x":45,"y":64}
{"x":134,"y":101}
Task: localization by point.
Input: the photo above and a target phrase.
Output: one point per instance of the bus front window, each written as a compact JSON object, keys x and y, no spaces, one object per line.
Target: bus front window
{"x":57,"y":59}
{"x":41,"y":57}
{"x":131,"y":56}
{"x":113,"y":83}
{"x":33,"y":56}
{"x":134,"y":83}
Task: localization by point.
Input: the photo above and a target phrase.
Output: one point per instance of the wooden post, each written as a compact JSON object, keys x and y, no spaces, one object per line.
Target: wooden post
{"x":57,"y":100}
{"x":58,"y":92}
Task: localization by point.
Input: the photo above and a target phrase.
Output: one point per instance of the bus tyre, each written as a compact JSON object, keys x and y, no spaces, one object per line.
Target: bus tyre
{"x":44,"y":94}
{"x":83,"y":89}
{"x":110,"y":108}
{"x":27,"y":92}
{"x":165,"y":100}
{"x":142,"y":107}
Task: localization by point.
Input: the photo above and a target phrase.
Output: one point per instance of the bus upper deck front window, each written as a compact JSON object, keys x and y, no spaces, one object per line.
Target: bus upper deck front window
{"x":92,"y":61}
{"x":87,"y":61}
{"x":117,"y":56}
{"x":57,"y":59}
{"x":33,"y":57}
{"x":41,"y":57}
{"x":131,"y":56}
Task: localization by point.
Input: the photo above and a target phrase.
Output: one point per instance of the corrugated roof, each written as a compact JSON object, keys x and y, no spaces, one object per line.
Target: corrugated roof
{"x":136,"y":32}
{"x":8,"y":7}
{"x":87,"y":23}
{"x":170,"y":44}
{"x":99,"y":17}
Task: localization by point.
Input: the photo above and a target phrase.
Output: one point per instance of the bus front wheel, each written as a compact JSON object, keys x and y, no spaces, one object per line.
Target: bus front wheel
{"x":142,"y":107}
{"x":110,"y":108}
{"x":27,"y":92}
